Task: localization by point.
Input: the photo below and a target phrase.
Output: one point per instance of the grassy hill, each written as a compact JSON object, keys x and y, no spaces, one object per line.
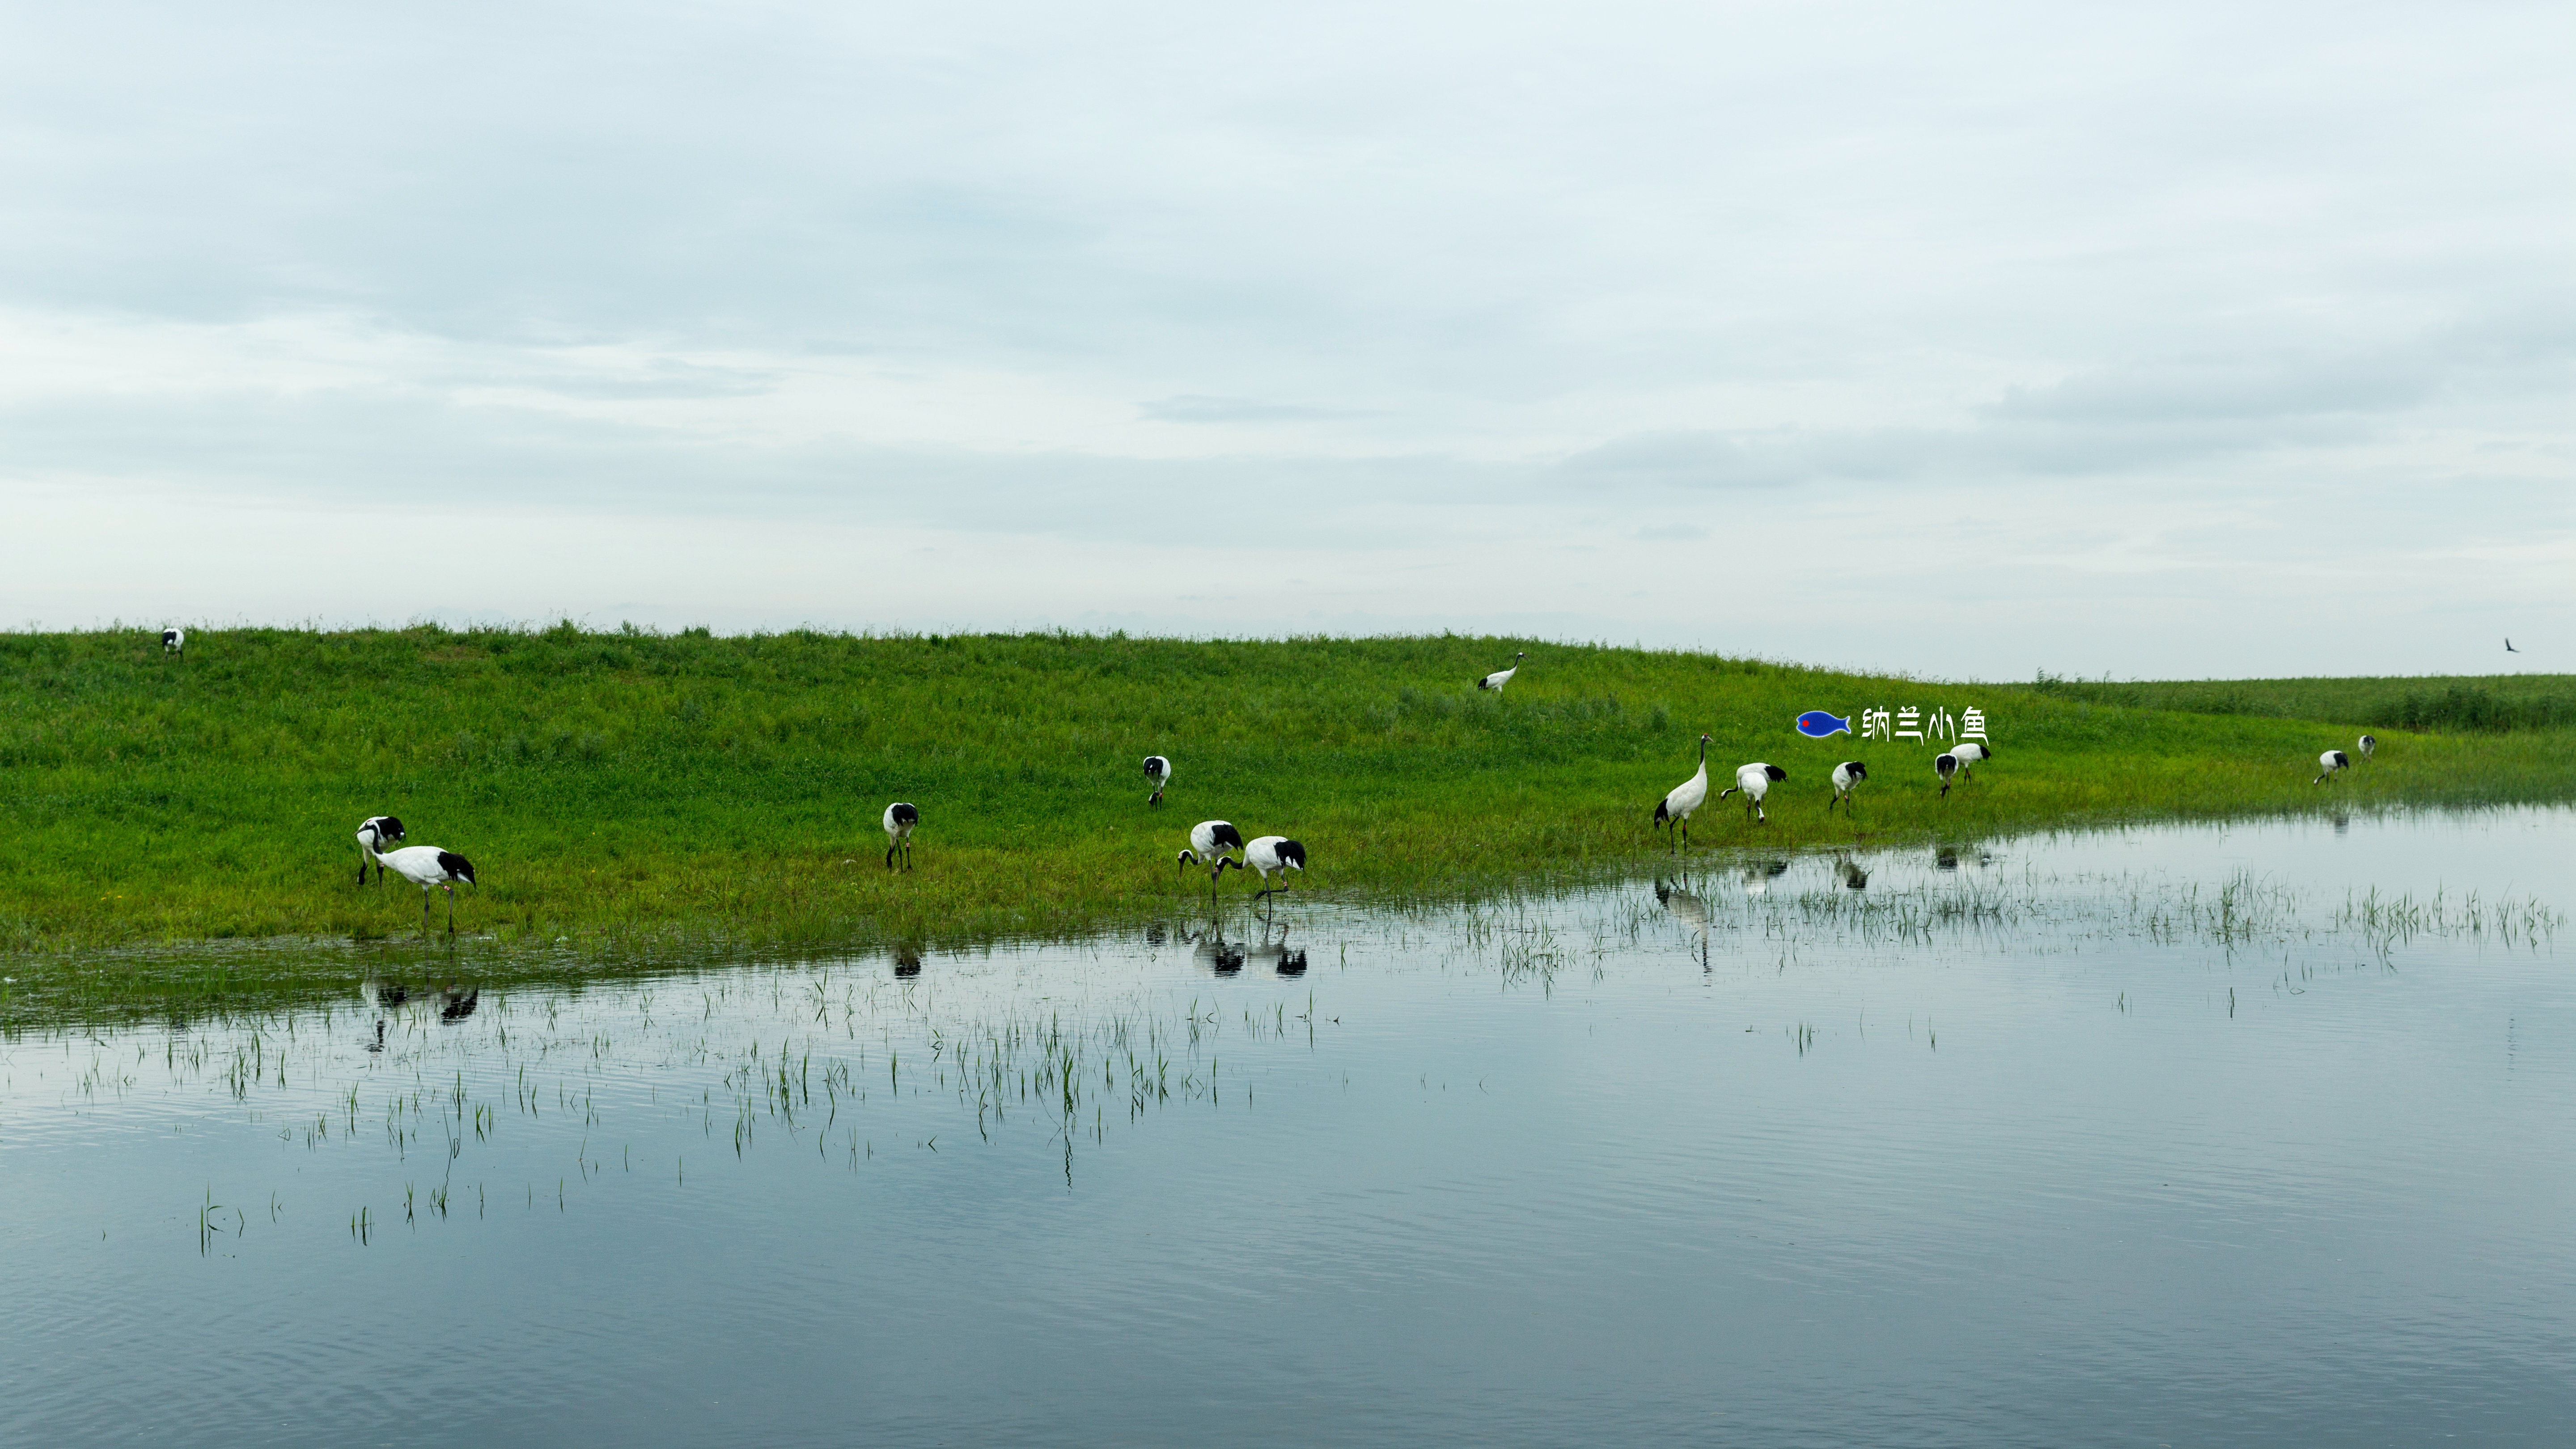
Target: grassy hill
{"x":633,"y":786}
{"x":2477,"y":703}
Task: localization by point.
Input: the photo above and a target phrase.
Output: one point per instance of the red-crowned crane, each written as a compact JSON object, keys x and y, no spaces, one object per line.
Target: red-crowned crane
{"x":1969,"y":753}
{"x":1846,"y":775}
{"x":1158,"y":773}
{"x":1209,"y":841}
{"x":2328,"y":763}
{"x":173,"y":640}
{"x":374,"y":834}
{"x":1267,"y":853}
{"x":1678,"y":803}
{"x":1945,"y":765}
{"x":899,"y":820}
{"x":1755,"y":780}
{"x":2369,"y":746}
{"x":1500,"y":677}
{"x":430,"y":868}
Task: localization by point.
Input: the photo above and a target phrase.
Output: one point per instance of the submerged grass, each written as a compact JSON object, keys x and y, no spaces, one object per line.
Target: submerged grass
{"x":626,"y":796}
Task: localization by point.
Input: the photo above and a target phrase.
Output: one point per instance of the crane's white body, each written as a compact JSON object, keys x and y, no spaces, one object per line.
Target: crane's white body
{"x":1970,"y":753}
{"x":430,"y":868}
{"x":1754,"y":780}
{"x":173,"y":640}
{"x":900,"y":817}
{"x":374,"y":834}
{"x":1846,"y":775}
{"x":1678,"y":802}
{"x":1500,"y":677}
{"x":1209,"y":842}
{"x":2328,"y":763}
{"x":1158,"y":770}
{"x":1267,"y":853}
{"x":2369,"y":745}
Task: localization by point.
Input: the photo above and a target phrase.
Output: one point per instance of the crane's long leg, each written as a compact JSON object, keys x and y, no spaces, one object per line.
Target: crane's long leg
{"x":451,"y":910}
{"x":424,"y":910}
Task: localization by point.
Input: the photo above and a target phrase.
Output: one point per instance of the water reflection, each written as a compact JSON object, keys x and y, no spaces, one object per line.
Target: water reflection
{"x":447,"y":1004}
{"x":1861,"y":1149}
{"x":1276,"y":955}
{"x":1687,"y":908}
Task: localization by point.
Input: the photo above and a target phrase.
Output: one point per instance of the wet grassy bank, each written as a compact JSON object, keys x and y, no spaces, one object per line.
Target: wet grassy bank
{"x":616,"y":791}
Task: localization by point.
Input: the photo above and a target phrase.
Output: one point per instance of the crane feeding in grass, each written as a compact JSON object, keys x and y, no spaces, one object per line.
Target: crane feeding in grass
{"x":430,"y":868}
{"x":2328,"y":763}
{"x":1209,"y":841}
{"x":1968,"y":754}
{"x":1500,"y":677}
{"x":1945,"y":765}
{"x":1846,"y":775}
{"x":899,"y":820}
{"x":374,"y":834}
{"x":1755,"y":781}
{"x":173,"y":640}
{"x":1678,"y":802}
{"x":1158,"y":773}
{"x":2369,"y":746}
{"x":1265,"y":854}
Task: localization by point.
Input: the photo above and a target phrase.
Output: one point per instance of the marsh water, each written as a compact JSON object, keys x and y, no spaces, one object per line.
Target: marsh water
{"x":2259,"y":1134}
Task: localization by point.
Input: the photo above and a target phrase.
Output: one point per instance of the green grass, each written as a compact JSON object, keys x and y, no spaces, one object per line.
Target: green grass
{"x":622,"y":792}
{"x":2481,"y":704}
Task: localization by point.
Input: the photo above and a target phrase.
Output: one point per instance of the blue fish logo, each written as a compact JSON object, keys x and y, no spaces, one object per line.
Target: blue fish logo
{"x":1815,"y":724}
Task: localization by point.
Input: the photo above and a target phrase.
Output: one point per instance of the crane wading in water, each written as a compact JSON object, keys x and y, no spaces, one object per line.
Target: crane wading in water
{"x":1209,"y":841}
{"x":1265,"y":854}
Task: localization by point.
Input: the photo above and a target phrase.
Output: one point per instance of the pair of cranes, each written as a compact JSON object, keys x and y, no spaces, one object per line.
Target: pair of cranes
{"x":1754,"y":782}
{"x":1211,"y":839}
{"x":2335,"y":760}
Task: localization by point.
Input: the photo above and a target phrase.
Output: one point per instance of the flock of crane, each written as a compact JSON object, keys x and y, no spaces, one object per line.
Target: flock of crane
{"x":1754,"y":781}
{"x":1216,"y":844}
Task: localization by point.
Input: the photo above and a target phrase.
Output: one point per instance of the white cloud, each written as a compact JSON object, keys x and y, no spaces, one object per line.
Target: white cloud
{"x":1795,"y":329}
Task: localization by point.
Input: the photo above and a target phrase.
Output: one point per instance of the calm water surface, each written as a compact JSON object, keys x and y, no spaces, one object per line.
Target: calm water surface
{"x":2255,"y":1135}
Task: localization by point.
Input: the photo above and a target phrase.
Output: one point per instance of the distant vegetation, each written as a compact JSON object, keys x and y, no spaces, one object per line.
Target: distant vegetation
{"x":2488,"y":703}
{"x":622,"y":791}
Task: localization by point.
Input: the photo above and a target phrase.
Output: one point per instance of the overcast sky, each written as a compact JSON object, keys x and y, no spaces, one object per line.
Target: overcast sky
{"x":1960,"y":339}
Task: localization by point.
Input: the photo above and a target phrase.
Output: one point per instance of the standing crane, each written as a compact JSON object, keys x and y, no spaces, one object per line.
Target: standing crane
{"x":431,"y":868}
{"x":1678,"y":803}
